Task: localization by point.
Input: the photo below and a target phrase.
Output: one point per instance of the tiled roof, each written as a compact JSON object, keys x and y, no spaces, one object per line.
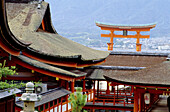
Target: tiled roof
{"x":48,"y":96}
{"x":8,"y":92}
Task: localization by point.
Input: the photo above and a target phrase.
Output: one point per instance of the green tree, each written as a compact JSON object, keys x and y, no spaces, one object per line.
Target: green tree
{"x":77,"y":100}
{"x":4,"y":71}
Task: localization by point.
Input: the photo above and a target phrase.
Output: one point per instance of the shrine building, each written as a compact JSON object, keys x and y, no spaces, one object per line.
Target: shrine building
{"x":129,"y":81}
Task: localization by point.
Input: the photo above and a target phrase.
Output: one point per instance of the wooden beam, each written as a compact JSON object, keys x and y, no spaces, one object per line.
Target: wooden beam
{"x":8,"y":49}
{"x":108,"y":107}
{"x":131,"y":36}
{"x":105,"y":35}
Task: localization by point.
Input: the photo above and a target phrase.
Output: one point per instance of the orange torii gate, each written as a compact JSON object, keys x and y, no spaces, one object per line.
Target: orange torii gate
{"x":125,"y":29}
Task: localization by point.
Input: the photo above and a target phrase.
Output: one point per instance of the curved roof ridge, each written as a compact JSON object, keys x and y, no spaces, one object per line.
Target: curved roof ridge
{"x":130,"y":25}
{"x":13,"y":44}
{"x":46,"y":43}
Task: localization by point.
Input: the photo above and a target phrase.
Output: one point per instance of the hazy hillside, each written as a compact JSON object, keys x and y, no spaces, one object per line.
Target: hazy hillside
{"x":73,"y":18}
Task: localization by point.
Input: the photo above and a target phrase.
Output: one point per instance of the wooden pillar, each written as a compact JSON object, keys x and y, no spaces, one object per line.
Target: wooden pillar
{"x":44,"y":107}
{"x":57,"y":105}
{"x":84,"y":84}
{"x":110,"y":45}
{"x":67,"y":87}
{"x":61,"y":82}
{"x":53,"y":106}
{"x":49,"y":106}
{"x":98,"y":89}
{"x":114,"y":97}
{"x":138,"y":37}
{"x":138,"y":45}
{"x":94,"y":92}
{"x":107,"y":91}
{"x":140,"y":102}
{"x":72,"y":87}
{"x":61,"y":104}
{"x":136,"y":104}
{"x":132,"y":90}
{"x":112,"y":35}
{"x":39,"y":108}
{"x":117,"y":91}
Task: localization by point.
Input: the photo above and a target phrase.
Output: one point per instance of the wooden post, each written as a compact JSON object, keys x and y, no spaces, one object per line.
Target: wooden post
{"x":136,"y":96}
{"x":114,"y":97}
{"x":39,"y":108}
{"x":49,"y":106}
{"x":84,"y":84}
{"x":98,"y":89}
{"x":44,"y":107}
{"x":117,"y":91}
{"x":112,"y":35}
{"x":140,"y":102}
{"x":57,"y":105}
{"x":107,"y":91}
{"x":61,"y":104}
{"x":94,"y":93}
{"x":67,"y":87}
{"x":138,"y":45}
{"x":53,"y":106}
{"x":72,"y":87}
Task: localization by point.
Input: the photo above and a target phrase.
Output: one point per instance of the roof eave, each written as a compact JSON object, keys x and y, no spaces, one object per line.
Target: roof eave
{"x":6,"y":35}
{"x":135,"y":83}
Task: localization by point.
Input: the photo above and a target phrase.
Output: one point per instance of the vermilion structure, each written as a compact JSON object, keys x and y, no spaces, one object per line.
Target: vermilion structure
{"x":125,"y":29}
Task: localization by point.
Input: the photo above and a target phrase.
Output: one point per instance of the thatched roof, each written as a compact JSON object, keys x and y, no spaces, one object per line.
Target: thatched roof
{"x":156,"y":75}
{"x":24,"y":21}
{"x":47,"y":67}
{"x":98,"y":74}
{"x":133,"y":60}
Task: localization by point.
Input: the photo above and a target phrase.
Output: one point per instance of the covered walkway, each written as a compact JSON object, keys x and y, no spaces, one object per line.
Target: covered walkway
{"x":160,"y":106}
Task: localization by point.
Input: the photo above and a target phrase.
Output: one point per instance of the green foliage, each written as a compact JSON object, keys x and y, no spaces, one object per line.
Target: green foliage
{"x":77,"y":100}
{"x":14,"y":84}
{"x":4,"y":71}
{"x":11,"y":84}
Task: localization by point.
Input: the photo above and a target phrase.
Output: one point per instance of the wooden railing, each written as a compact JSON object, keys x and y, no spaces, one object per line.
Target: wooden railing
{"x":124,"y":97}
{"x":60,"y":107}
